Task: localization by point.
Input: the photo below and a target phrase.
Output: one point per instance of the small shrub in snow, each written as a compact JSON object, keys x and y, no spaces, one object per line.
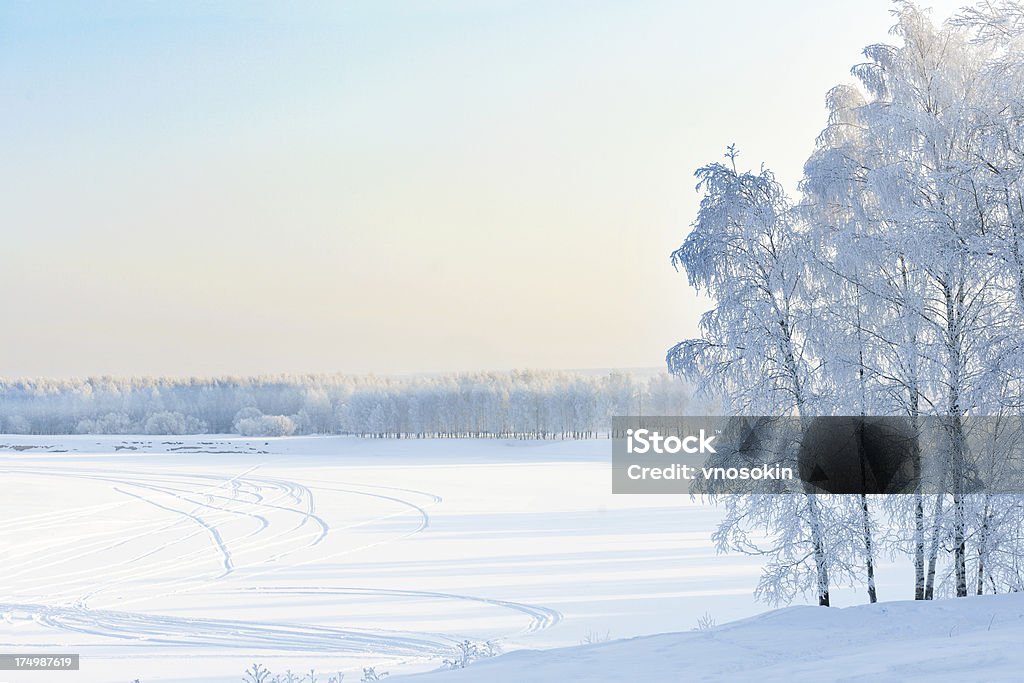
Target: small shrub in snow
{"x":468,"y":652}
{"x":594,"y":637}
{"x":705,"y":623}
{"x":370,"y":674}
{"x":257,"y":673}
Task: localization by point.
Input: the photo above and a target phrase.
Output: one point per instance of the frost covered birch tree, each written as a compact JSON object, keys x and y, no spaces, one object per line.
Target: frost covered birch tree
{"x":905,"y":296}
{"x":744,"y":252}
{"x":913,"y":159}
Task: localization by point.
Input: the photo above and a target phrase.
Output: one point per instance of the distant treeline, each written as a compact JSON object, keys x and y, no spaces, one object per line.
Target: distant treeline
{"x":520,"y":404}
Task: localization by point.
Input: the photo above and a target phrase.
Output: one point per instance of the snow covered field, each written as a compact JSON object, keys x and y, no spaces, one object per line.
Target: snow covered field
{"x":972,"y":639}
{"x":189,"y":558}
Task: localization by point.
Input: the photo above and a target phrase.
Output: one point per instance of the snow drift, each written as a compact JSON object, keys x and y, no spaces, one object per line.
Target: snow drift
{"x":972,"y":639}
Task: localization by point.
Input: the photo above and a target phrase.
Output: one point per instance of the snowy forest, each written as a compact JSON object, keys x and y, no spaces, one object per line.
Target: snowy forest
{"x":523,"y":404}
{"x":892,"y":284}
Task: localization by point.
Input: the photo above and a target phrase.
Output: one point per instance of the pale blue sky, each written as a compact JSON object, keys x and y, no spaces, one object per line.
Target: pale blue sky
{"x":207,"y":188}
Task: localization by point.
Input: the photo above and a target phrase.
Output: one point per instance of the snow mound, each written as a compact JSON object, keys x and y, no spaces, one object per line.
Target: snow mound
{"x":972,"y":639}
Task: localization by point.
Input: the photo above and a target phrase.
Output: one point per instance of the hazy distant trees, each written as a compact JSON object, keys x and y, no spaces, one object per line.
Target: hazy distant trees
{"x":521,"y":404}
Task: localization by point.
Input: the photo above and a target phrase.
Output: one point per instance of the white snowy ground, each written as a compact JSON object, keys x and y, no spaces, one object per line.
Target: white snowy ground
{"x":188,"y":558}
{"x":973,"y":639}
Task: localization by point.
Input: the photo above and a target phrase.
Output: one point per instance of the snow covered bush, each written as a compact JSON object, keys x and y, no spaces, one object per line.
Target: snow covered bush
{"x":257,"y":673}
{"x":265,"y":425}
{"x":595,"y":637}
{"x":167,"y":422}
{"x":110,"y":423}
{"x":468,"y":652}
{"x":705,"y":622}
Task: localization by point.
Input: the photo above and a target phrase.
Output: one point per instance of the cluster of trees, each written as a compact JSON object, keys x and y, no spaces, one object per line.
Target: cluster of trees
{"x":893,"y":285}
{"x":522,"y":404}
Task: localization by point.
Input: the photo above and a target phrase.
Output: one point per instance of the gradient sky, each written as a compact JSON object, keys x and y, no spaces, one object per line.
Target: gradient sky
{"x":213,"y":188}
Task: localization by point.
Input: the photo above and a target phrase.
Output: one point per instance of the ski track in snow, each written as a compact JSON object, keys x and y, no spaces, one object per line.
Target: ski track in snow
{"x":540,"y":617}
{"x":85,"y":544}
{"x":210,"y":529}
{"x":282,"y":520}
{"x":224,"y":633}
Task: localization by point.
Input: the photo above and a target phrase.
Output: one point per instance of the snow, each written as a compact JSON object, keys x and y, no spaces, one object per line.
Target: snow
{"x":190,"y":558}
{"x":967,"y":639}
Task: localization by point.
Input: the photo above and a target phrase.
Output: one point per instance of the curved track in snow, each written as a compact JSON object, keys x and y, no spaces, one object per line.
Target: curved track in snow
{"x":203,"y":531}
{"x":540,"y":617}
{"x":199,"y":507}
{"x":234,"y":634}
